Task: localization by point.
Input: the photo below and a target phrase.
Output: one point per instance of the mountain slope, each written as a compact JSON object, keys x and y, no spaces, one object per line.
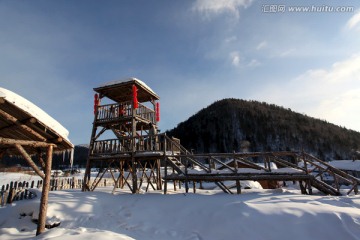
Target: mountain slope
{"x":237,"y":125}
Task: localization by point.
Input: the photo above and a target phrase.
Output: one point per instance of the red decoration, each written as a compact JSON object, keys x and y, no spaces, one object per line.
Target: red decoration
{"x":158,"y":112}
{"x":96,"y":102}
{"x":135,"y":100}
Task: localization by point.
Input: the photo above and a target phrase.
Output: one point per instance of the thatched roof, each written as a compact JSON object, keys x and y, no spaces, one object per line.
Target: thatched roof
{"x":121,"y":90}
{"x":24,"y":121}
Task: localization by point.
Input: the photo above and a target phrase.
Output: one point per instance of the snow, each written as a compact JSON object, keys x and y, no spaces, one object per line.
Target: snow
{"x":346,"y":164}
{"x":127,"y":80}
{"x":6,"y":177}
{"x":34,"y":111}
{"x":198,"y":170}
{"x":272,"y":165}
{"x":287,"y":170}
{"x":209,"y":214}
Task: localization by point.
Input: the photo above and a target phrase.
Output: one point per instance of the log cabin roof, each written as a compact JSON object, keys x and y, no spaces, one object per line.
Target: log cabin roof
{"x":121,"y":90}
{"x":21,"y":120}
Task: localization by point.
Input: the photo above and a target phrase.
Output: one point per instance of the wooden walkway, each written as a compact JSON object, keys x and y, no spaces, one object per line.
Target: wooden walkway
{"x":304,"y":168}
{"x":180,"y":165}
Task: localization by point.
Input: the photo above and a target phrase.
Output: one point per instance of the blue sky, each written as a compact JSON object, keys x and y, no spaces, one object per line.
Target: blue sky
{"x":191,"y":53}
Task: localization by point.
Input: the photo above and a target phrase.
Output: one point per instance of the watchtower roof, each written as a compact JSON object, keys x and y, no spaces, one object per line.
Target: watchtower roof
{"x":121,"y":90}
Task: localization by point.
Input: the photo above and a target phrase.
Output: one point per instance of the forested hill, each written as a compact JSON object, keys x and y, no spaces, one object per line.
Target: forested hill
{"x":237,"y":125}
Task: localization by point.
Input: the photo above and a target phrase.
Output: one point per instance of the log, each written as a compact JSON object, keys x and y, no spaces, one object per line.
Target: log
{"x":333,"y":169}
{"x":240,"y":176}
{"x":45,"y":192}
{"x":238,"y":187}
{"x":29,"y":160}
{"x":22,"y":126}
{"x":41,"y":160}
{"x":32,"y":120}
{"x":165,"y":173}
{"x":10,"y":141}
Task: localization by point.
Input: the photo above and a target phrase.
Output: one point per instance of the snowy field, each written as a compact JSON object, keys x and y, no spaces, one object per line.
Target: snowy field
{"x":208,"y":214}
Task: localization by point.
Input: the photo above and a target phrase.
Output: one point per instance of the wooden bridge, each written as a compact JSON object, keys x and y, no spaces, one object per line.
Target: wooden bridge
{"x":168,"y":161}
{"x":304,"y":168}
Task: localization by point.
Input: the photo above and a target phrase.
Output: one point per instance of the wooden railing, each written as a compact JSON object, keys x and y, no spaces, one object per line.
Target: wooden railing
{"x":322,"y":167}
{"x":145,"y":113}
{"x":113,"y":146}
{"x":110,"y":112}
{"x":145,"y":143}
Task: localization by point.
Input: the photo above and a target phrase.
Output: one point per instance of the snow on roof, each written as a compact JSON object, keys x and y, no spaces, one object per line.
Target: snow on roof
{"x":35,"y":111}
{"x":114,"y":82}
{"x":346,"y":164}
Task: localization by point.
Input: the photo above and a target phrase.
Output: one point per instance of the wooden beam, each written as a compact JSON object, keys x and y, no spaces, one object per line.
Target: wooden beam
{"x":2,"y":100}
{"x":41,"y":160}
{"x":32,"y":120}
{"x":45,"y":192}
{"x":35,"y":144}
{"x":240,"y":176}
{"x":22,"y":126}
{"x":2,"y":153}
{"x":29,"y":160}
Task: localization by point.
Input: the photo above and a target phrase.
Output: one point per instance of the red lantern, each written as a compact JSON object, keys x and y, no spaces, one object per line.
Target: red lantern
{"x":158,"y":112}
{"x":96,"y":102}
{"x":135,"y":100}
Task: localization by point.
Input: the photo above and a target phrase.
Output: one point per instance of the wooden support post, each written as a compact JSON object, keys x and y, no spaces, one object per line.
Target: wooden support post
{"x":122,"y":174}
{"x":174,"y":181}
{"x":194,"y":186}
{"x":235,"y":163}
{"x":158,"y":169}
{"x":86,"y":182}
{"x":186,"y":175}
{"x":165,"y":182}
{"x":45,"y":192}
{"x":134,"y":175}
{"x":302,"y":188}
{"x":238,"y":187}
{"x":309,"y":187}
{"x":356,"y":190}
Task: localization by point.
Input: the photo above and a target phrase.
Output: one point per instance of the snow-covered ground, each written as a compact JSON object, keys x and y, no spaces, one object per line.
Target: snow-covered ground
{"x":209,"y":214}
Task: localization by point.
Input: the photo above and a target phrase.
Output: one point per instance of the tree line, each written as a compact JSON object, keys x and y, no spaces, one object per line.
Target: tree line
{"x":238,"y":125}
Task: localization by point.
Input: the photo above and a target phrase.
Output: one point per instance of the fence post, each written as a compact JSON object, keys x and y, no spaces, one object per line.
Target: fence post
{"x":2,"y":193}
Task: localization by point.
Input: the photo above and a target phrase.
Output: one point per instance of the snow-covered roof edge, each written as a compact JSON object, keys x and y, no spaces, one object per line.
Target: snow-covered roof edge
{"x":34,"y":111}
{"x":114,"y":82}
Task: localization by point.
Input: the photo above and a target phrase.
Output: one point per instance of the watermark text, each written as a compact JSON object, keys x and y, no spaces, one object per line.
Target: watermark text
{"x":282,"y":8}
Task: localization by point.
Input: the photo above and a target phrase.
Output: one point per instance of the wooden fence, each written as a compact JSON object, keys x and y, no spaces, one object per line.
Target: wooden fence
{"x":15,"y":191}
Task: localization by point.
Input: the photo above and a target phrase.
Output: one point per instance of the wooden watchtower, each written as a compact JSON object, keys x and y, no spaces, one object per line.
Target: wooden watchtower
{"x":124,"y":136}
{"x":126,"y":145}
